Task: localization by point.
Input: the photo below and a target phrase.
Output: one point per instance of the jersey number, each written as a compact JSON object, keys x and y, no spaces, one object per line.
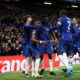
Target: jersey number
{"x":69,"y":24}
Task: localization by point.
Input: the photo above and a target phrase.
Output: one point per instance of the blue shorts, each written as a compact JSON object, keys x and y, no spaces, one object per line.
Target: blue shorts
{"x":30,"y":51}
{"x":46,"y":48}
{"x":65,"y":46}
{"x":34,"y":51}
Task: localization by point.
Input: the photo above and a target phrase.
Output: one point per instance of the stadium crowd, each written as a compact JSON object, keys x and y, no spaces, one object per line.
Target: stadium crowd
{"x":10,"y":40}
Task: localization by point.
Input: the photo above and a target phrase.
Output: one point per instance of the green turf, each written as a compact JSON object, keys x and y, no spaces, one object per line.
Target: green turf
{"x":59,"y":75}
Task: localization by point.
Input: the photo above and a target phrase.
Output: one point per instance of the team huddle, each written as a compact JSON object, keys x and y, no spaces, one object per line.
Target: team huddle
{"x":38,"y":39}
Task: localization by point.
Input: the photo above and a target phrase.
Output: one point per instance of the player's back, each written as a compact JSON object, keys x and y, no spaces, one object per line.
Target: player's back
{"x":43,"y":34}
{"x":66,"y":28}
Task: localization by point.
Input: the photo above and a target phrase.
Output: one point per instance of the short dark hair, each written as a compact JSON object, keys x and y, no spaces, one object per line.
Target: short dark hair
{"x":26,"y":16}
{"x":63,"y":12}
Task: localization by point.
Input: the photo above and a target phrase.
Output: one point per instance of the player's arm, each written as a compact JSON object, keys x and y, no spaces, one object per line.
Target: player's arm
{"x":34,"y":38}
{"x":58,"y":25}
{"x":29,"y":27}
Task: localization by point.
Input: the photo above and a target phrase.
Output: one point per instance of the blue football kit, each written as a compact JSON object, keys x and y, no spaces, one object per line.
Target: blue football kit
{"x":65,"y":27}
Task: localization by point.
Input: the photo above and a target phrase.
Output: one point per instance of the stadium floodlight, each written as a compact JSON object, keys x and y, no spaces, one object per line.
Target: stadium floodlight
{"x":74,"y":6}
{"x":47,"y":3}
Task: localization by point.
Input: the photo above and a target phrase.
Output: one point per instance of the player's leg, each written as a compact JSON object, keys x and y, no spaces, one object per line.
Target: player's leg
{"x":41,"y":48}
{"x":60,"y":51}
{"x":49,"y":51}
{"x":70,"y":57}
{"x":26,"y":53}
{"x":42,"y":65}
{"x":26,"y":67}
{"x":36,"y":63}
{"x":33,"y":67}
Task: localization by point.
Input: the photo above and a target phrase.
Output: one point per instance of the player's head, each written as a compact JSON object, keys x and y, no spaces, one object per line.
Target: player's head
{"x":37,"y":22}
{"x":45,"y":19}
{"x":63,"y":12}
{"x":28,"y":18}
{"x":75,"y":20}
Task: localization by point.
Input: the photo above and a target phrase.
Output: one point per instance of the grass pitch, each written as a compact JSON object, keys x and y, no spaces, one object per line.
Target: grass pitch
{"x":60,"y":75}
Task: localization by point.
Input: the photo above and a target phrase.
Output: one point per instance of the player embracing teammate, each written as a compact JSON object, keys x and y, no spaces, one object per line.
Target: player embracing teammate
{"x":37,"y":41}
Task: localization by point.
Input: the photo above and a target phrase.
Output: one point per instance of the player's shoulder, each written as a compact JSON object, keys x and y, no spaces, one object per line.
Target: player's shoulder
{"x":61,"y":18}
{"x":64,"y":17}
{"x":69,"y":19}
{"x":25,"y":25}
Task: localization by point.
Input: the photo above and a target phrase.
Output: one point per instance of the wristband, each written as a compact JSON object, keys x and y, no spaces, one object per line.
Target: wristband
{"x":40,"y":42}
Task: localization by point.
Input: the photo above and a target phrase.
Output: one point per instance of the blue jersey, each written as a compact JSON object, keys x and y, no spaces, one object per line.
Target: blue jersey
{"x":27,"y":31}
{"x":77,"y":30}
{"x":76,"y":36}
{"x":43,"y":34}
{"x":28,"y":46}
{"x":34,"y":32}
{"x":65,"y":27}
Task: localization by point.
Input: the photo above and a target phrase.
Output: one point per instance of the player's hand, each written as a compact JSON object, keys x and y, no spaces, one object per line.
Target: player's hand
{"x":55,"y":42}
{"x":42,"y":42}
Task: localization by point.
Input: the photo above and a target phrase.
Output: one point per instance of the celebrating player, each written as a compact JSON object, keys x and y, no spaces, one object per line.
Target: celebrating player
{"x":48,"y":47}
{"x":65,"y":44}
{"x":76,"y":37}
{"x":26,"y":39}
{"x":34,"y":43}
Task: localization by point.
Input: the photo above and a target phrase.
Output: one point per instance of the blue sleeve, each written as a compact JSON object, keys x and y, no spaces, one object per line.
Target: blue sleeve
{"x":59,"y":24}
{"x":42,"y":28}
{"x":55,"y":27}
{"x":29,"y":27}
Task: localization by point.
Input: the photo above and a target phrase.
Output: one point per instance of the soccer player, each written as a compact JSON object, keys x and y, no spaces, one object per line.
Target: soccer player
{"x":26,"y":39}
{"x":65,"y":44}
{"x":48,"y":47}
{"x":34,"y":49}
{"x":76,"y":37}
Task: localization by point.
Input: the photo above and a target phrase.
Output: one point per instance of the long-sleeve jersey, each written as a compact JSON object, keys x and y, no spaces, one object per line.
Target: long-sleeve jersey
{"x":65,"y":27}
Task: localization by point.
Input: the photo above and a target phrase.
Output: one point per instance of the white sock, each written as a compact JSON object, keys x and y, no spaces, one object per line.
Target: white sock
{"x":37,"y":61}
{"x":65,"y":62}
{"x":65,"y":56}
{"x":27,"y":65}
{"x":33,"y":67}
{"x":51,"y":65}
{"x":70,"y":62}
